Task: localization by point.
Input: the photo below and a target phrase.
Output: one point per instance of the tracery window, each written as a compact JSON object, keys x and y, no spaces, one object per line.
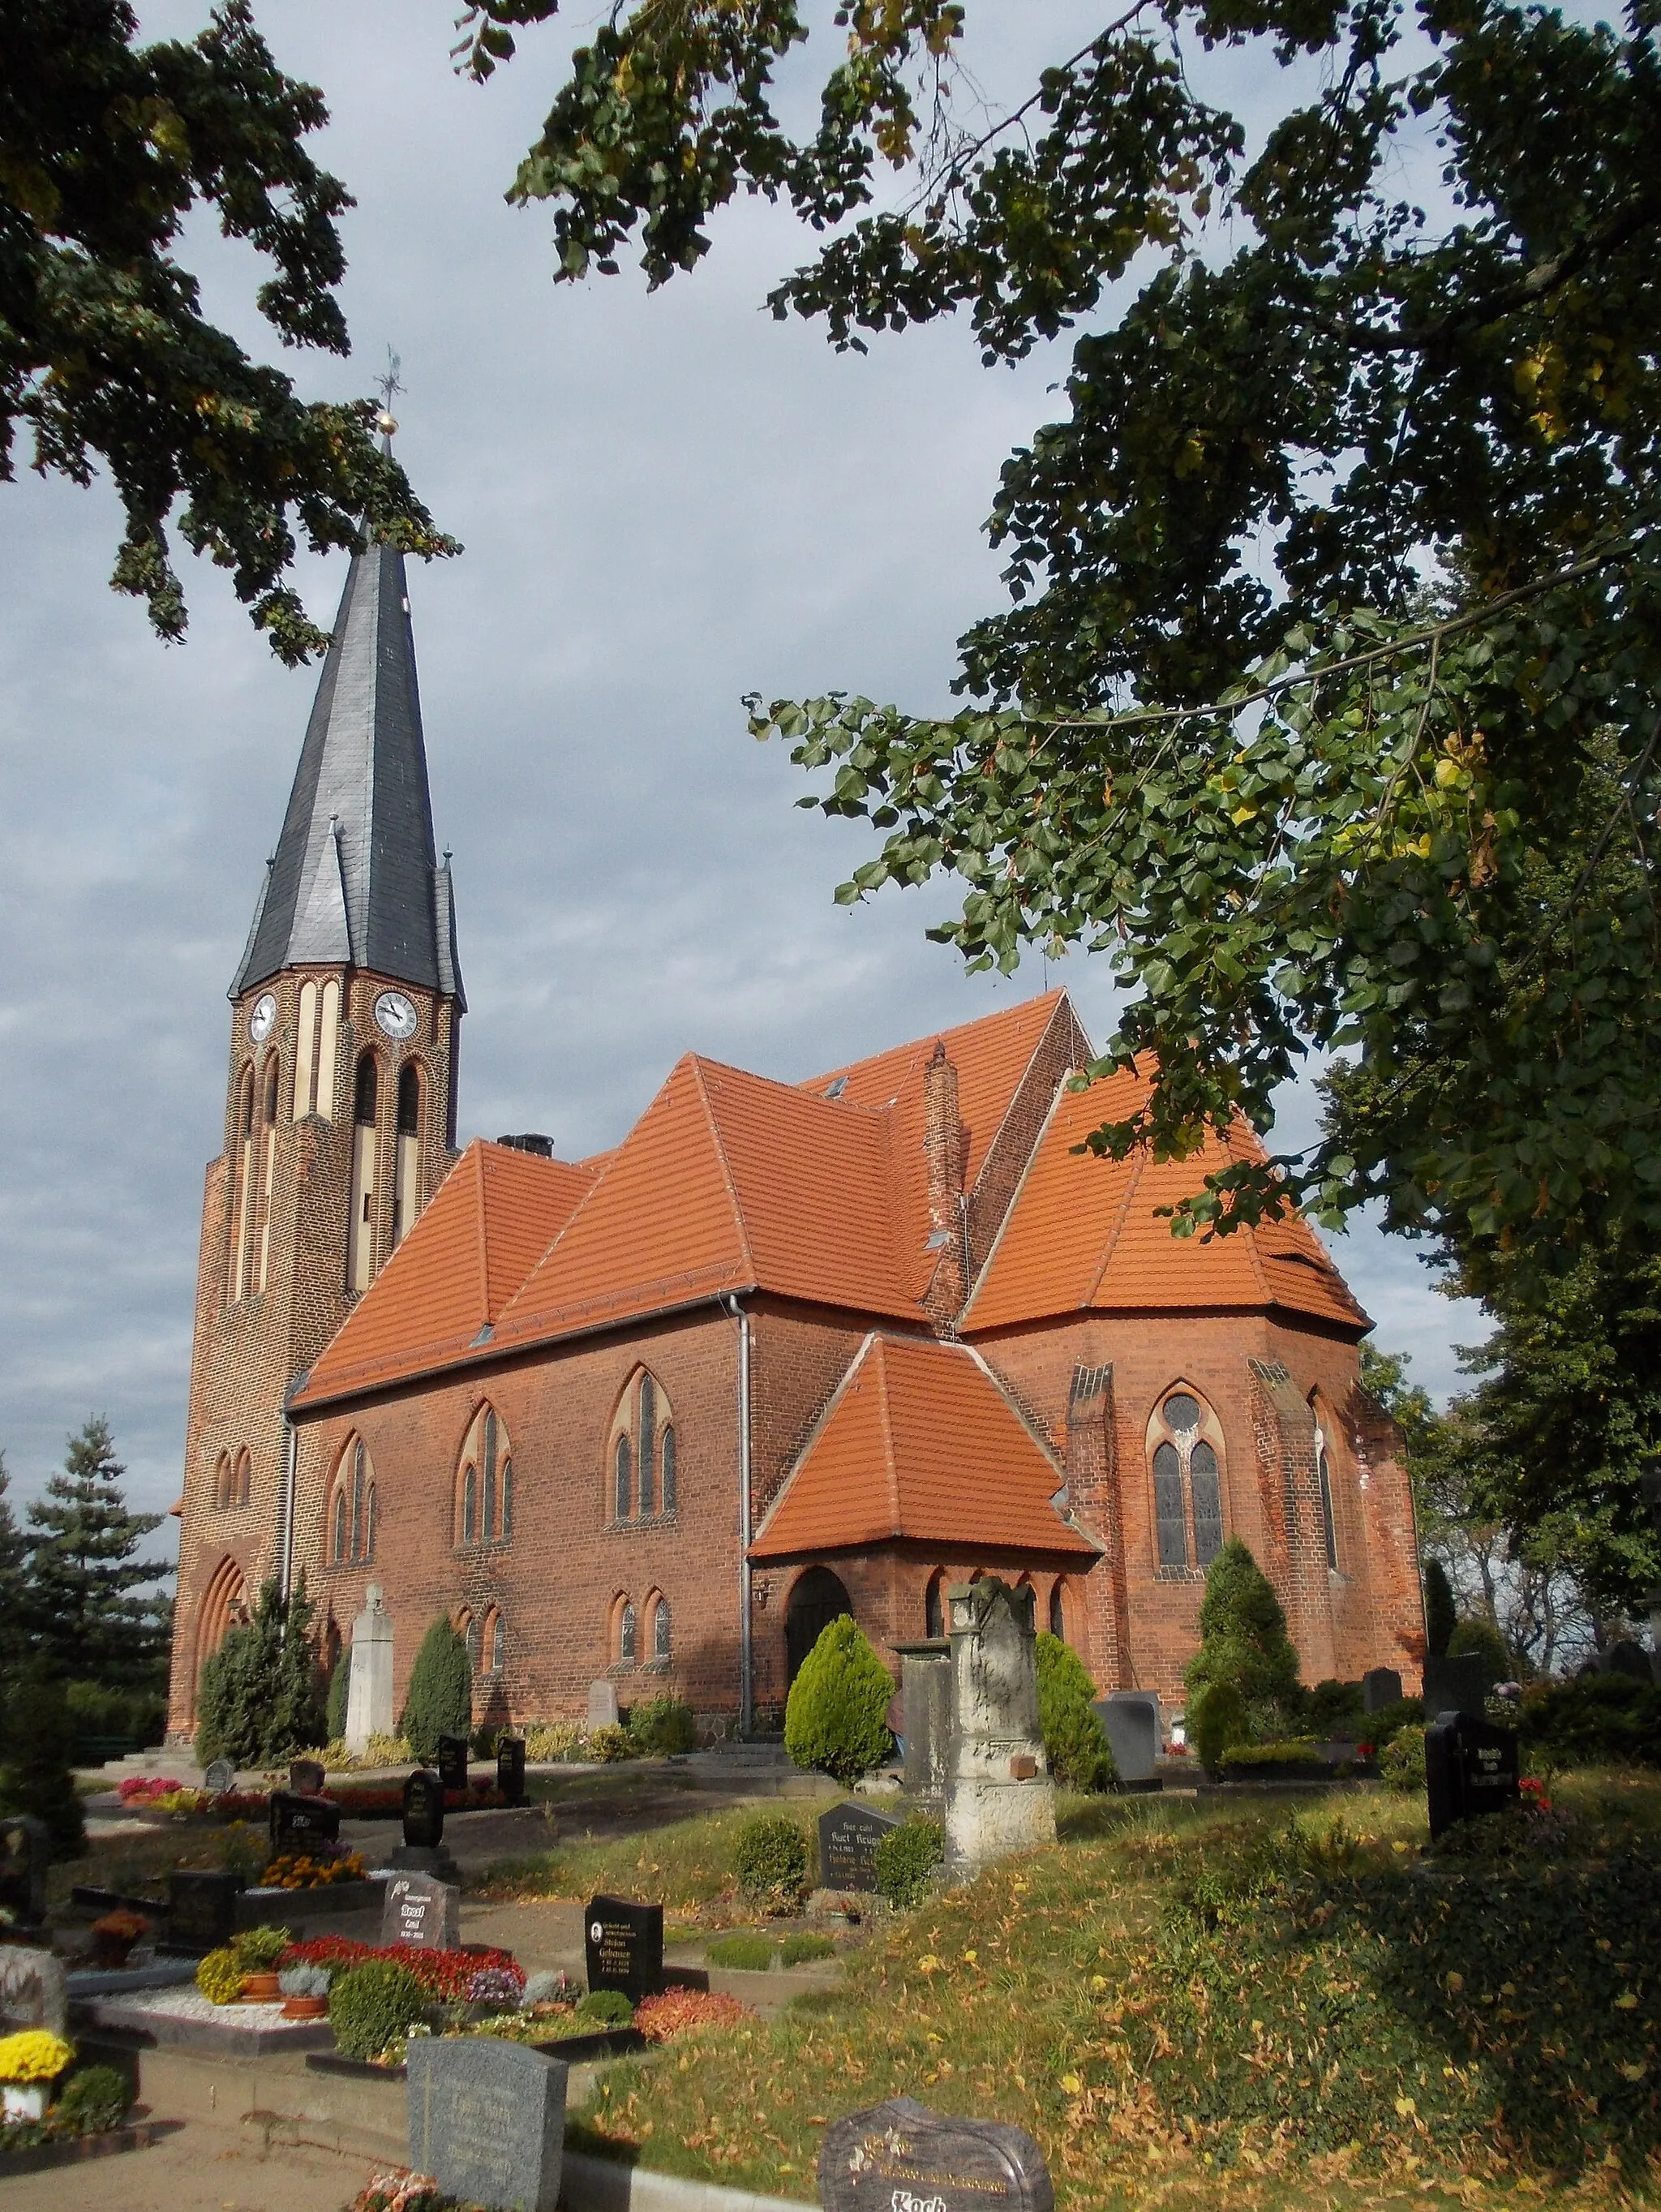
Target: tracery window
{"x":1184,"y":1444}
{"x":661,"y":1628}
{"x":1323,"y":1477}
{"x":624,"y":1632}
{"x":484,"y":1489}
{"x":641,"y":1454}
{"x":352,"y":1511}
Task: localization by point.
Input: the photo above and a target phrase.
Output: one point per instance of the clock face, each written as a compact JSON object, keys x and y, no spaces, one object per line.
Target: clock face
{"x":395,"y":1015}
{"x":261,"y":1016}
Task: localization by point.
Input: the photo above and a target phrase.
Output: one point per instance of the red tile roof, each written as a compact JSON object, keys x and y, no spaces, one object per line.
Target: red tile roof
{"x":920,"y":1442}
{"x":1084,"y":1233}
{"x":490,"y":1220}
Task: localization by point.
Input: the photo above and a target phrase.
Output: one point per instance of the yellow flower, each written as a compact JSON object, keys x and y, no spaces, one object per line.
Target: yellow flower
{"x":1071,"y":2084}
{"x":35,"y":2055}
{"x":928,"y":1964}
{"x":1626,"y":2001}
{"x":1405,"y":2108}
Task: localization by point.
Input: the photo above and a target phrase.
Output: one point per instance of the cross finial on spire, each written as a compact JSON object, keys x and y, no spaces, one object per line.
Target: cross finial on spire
{"x":389,"y":386}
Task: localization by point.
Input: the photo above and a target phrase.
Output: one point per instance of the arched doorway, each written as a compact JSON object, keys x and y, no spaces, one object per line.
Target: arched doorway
{"x":224,"y":1602}
{"x":818,"y":1599}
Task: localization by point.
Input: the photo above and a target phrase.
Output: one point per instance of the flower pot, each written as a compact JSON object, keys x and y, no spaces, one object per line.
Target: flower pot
{"x":261,"y":1989}
{"x":306,"y":2009}
{"x":110,"y":1952}
{"x":23,"y":2100}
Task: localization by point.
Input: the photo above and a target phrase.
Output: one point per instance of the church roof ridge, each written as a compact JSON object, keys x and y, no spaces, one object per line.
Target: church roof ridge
{"x":355,"y":879}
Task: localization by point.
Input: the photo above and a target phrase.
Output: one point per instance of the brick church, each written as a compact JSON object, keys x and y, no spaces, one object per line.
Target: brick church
{"x":789,"y":1349}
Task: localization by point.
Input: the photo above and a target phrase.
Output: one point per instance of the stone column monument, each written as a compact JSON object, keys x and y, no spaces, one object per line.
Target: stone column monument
{"x":999,"y":1796}
{"x":369,"y":1697}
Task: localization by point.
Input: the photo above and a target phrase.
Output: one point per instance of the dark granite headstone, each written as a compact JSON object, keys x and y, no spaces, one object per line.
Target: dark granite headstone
{"x":452,"y":1762}
{"x":510,"y":1769}
{"x":1471,"y":1768}
{"x":900,"y":2157}
{"x":1626,"y":1657}
{"x":1455,"y":1685}
{"x":218,"y":1776}
{"x":486,"y":2120}
{"x":200,"y":1910}
{"x":307,"y":1777}
{"x":624,"y":1943}
{"x":301,"y":1823}
{"x":423,"y":1810}
{"x":420,"y":1910}
{"x":25,"y":1848}
{"x":1131,"y":1720}
{"x":1380,"y":1687}
{"x":848,"y":1838}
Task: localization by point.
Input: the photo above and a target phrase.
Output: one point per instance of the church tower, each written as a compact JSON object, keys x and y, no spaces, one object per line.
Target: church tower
{"x":340,"y":1104}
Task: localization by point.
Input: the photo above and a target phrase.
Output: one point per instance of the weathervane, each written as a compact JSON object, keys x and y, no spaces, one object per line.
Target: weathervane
{"x":389,"y":387}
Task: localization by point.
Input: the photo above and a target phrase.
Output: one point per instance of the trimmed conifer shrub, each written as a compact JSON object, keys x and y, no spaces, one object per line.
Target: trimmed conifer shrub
{"x":906,"y":1859}
{"x":1075,"y":1741}
{"x":663,"y":1726}
{"x":36,"y":1775}
{"x":373,"y":2005}
{"x":1243,"y":1639}
{"x":440,"y":1697}
{"x":340,"y":1691}
{"x":836,"y":1717}
{"x":770,"y":1858}
{"x":259,"y":1699}
{"x":1441,"y":1614}
{"x":1217,"y":1721}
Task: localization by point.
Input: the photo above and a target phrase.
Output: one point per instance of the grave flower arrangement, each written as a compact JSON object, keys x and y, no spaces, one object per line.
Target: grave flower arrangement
{"x":675,"y":2012}
{"x":30,"y":2062}
{"x":146,"y":1789}
{"x":115,"y":1936}
{"x":444,"y":1976}
{"x":399,"y":2193}
{"x":319,"y":1868}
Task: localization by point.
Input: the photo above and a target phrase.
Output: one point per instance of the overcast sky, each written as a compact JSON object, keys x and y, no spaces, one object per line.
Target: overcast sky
{"x":665,"y":501}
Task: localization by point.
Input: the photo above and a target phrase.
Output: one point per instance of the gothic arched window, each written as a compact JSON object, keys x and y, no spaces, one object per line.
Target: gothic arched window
{"x":365,"y":1097}
{"x":484,"y":1464}
{"x":621,"y":1459}
{"x":369,"y":1526}
{"x":667,"y":1450}
{"x":1058,"y":1609}
{"x":352,"y":1509}
{"x":625,"y":1633}
{"x":640,"y":1453}
{"x":661,"y":1630}
{"x":648,"y":1433}
{"x":934,"y":1616}
{"x":1324,"y":1478}
{"x":337,"y":1548}
{"x":1184,"y":1443}
{"x":494,"y":1644}
{"x":470,"y":1529}
{"x":507,"y":1501}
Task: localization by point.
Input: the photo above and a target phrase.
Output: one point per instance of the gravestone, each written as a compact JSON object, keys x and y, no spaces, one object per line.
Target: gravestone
{"x":420,"y":1910}
{"x":1131,"y":1720}
{"x":1380,"y":1687}
{"x":422,"y":1848}
{"x":1471,"y":1768}
{"x":624,"y":1946}
{"x":848,"y":1838}
{"x":1455,"y":1685}
{"x":218,"y":1776}
{"x":200,"y":1910}
{"x":900,"y":2157}
{"x":301,"y":1823}
{"x":486,"y":2120}
{"x":603,"y":1709}
{"x":25,"y":1848}
{"x":34,"y":1991}
{"x":451,"y":1762}
{"x":999,"y":1796}
{"x":369,"y":1685}
{"x":925,"y":1687}
{"x":510,"y":1769}
{"x":307,"y":1777}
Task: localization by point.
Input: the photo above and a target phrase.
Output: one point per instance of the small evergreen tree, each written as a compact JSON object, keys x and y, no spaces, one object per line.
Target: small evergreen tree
{"x":1243,"y":1637}
{"x":340,"y":1691}
{"x":1441,"y":1614}
{"x":258,"y":1699}
{"x":1075,"y":1741}
{"x":836,"y":1717}
{"x":35,"y":1774}
{"x":439,"y":1698}
{"x":14,"y":1584}
{"x":84,"y":1616}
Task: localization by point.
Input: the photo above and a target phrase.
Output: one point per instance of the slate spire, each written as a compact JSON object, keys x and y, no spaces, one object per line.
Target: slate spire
{"x":356,"y":880}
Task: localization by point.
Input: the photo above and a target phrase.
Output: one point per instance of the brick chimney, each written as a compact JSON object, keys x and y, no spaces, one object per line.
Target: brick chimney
{"x":943,"y":1149}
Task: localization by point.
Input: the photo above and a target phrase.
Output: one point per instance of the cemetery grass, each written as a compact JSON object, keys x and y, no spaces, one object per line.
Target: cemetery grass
{"x":685,"y":1865}
{"x":1250,"y":2005}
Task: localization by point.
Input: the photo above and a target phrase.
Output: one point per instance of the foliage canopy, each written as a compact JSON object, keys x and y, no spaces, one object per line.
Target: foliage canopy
{"x":1224,"y":732}
{"x":84,"y":1616}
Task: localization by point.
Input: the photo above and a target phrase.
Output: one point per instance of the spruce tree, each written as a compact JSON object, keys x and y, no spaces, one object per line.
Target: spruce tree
{"x":83,"y":1614}
{"x":14,"y":1587}
{"x":259,"y":1697}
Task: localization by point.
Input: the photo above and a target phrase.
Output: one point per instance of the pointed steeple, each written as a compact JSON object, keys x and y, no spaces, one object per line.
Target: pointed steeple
{"x":354,"y":879}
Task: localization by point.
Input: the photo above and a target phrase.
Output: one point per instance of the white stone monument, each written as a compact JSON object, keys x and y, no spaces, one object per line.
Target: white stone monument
{"x":369,"y":1697}
{"x":999,"y":1796}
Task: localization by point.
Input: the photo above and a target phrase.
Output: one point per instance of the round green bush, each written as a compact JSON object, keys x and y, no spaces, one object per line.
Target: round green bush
{"x":1402,"y":1760}
{"x":257,"y":1950}
{"x":907,"y":1858}
{"x":836,"y":1717}
{"x":1607,"y":1720}
{"x":1216,"y":1722}
{"x":770,"y":1857}
{"x":1075,"y":1741}
{"x":95,"y":2101}
{"x":441,"y":1696}
{"x":373,"y":2005}
{"x":606,"y":2008}
{"x":805,"y":1945}
{"x":1243,"y":1637}
{"x":663,"y":1727}
{"x":753,"y":1954}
